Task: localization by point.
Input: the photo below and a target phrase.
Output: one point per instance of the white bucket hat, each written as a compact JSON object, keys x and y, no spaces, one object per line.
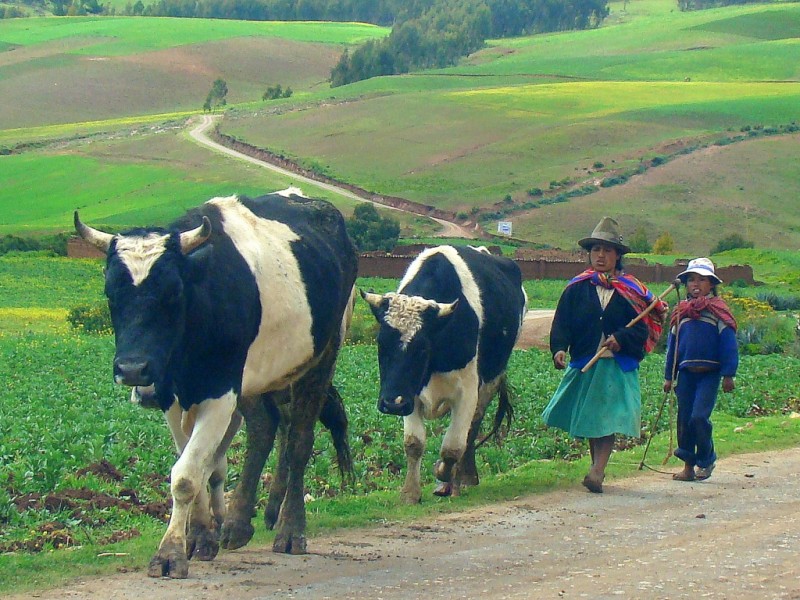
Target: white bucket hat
{"x":701,"y":266}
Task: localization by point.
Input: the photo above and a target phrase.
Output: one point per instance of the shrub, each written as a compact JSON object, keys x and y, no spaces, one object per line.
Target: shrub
{"x":90,"y":319}
{"x":535,"y":192}
{"x":774,"y":334}
{"x":639,"y":243}
{"x":731,"y":242}
{"x":664,"y":244}
{"x":370,"y":231}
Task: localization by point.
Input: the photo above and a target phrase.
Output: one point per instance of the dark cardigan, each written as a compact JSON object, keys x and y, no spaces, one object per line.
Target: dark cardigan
{"x":579,"y":322}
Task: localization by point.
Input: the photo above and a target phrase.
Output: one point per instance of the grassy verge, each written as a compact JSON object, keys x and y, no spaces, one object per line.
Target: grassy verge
{"x":24,"y":572}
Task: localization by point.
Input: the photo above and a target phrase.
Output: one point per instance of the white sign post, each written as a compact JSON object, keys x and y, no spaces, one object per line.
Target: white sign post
{"x":504,"y":227}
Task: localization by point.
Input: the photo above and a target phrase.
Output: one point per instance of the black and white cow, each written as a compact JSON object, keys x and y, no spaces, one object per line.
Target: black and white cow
{"x":238,"y":309}
{"x":444,"y":342}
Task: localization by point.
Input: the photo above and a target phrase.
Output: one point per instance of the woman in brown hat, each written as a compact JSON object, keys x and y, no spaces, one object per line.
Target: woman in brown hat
{"x":592,"y":314}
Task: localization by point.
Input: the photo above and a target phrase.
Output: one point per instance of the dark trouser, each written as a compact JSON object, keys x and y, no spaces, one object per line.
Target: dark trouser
{"x":697,"y":395}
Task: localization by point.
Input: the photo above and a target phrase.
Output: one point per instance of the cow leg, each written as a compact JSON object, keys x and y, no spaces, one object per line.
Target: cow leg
{"x":467,"y":470}
{"x":277,"y":489}
{"x":261,"y":420}
{"x":455,"y":440}
{"x":201,"y":538}
{"x":308,"y":396}
{"x":208,"y":510}
{"x":414,"y":445}
{"x":189,"y":477}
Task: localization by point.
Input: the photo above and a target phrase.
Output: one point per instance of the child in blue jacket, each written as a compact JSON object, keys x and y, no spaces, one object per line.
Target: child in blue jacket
{"x":702,"y":351}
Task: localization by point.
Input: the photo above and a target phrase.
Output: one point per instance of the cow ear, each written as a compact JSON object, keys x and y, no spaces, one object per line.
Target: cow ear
{"x":198,"y":264}
{"x":445,"y":310}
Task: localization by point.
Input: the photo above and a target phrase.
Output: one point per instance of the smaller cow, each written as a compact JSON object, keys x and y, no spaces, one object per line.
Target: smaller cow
{"x":444,"y":342}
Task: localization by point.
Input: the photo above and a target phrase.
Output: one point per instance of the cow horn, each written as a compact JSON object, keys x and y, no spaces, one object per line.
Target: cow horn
{"x":373,"y":300}
{"x":98,"y":239}
{"x":447,"y":309}
{"x":193,"y":238}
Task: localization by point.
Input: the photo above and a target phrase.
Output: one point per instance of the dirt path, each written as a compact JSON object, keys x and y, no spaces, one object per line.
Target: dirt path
{"x":736,"y":535}
{"x":198,"y":134}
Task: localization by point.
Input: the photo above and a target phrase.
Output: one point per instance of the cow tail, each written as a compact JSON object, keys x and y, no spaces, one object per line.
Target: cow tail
{"x":334,"y":418}
{"x":505,"y":412}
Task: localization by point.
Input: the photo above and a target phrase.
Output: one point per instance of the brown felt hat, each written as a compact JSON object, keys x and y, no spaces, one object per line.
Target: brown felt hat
{"x":606,"y":232}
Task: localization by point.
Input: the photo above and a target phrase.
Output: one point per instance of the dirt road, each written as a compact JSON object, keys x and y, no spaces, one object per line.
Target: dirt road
{"x":736,"y":535}
{"x":198,"y":134}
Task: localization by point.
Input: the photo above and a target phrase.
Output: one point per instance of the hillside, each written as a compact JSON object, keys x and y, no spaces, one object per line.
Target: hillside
{"x":569,"y":110}
{"x":651,"y":92}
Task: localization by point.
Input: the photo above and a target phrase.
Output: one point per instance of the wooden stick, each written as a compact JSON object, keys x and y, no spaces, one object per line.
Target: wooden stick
{"x":673,"y":286}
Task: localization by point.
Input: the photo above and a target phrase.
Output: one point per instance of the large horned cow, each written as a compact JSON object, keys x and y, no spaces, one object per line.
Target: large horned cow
{"x":238,"y":309}
{"x":444,"y":342}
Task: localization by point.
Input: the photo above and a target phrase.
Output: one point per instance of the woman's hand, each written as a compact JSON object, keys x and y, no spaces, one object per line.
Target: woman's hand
{"x":560,"y":360}
{"x":612,"y":344}
{"x":667,"y":385}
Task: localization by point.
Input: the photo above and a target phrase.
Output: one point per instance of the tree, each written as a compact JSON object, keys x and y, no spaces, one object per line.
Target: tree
{"x":664,"y":244}
{"x":216,"y":97}
{"x":639,"y":243}
{"x":370,"y":231}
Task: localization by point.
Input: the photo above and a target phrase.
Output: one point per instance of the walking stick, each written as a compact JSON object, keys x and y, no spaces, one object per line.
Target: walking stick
{"x":673,"y":286}
{"x":654,"y":426}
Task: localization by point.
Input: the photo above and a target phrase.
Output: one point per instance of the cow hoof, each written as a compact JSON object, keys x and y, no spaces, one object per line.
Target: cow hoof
{"x":443,"y":471}
{"x":443,"y":489}
{"x":170,"y":564}
{"x":236,"y":534}
{"x":289,"y":544}
{"x":203,"y":543}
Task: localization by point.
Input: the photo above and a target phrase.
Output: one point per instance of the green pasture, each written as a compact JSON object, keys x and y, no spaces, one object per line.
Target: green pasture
{"x":59,"y":398}
{"x":118,"y":36}
{"x":560,"y":111}
{"x":61,"y":70}
{"x":459,"y":149}
{"x":128,"y":180}
{"x":745,"y":188}
{"x":755,"y":43}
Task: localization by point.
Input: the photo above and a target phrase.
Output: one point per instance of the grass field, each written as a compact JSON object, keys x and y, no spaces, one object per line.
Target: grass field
{"x":128,"y":180}
{"x":550,"y":111}
{"x":64,"y":70}
{"x":59,"y":399}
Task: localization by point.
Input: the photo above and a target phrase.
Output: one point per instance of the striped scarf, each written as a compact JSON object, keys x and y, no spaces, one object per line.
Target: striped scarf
{"x":693,"y":308}
{"x":637,"y":295}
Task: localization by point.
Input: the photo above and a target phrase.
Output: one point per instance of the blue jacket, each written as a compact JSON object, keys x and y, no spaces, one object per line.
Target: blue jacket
{"x":706,"y":342}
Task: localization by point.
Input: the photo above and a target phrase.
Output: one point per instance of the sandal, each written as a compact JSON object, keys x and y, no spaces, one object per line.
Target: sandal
{"x":704,"y":473}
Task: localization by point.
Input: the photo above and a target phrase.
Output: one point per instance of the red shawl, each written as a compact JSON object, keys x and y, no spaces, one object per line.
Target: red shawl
{"x":693,"y":308}
{"x":639,"y":297}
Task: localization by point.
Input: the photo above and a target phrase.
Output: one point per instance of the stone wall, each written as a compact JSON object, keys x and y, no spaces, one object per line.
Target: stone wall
{"x":381,"y":264}
{"x":391,"y":265}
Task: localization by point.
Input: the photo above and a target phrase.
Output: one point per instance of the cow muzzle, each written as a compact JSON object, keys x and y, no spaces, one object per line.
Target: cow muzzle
{"x":132,"y":372}
{"x":396,"y":406}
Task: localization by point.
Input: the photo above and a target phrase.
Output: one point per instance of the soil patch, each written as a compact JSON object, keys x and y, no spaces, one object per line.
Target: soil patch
{"x":733,"y":536}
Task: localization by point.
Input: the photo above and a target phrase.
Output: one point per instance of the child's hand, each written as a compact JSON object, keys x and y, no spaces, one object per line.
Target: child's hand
{"x":667,"y":385}
{"x":728,"y":384}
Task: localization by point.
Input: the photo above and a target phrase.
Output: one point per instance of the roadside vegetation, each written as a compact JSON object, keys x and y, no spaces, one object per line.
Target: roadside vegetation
{"x":85,"y":471}
{"x":683,"y":125}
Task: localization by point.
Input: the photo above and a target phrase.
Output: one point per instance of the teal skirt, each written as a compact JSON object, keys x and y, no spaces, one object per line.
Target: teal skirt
{"x":595,"y":404}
